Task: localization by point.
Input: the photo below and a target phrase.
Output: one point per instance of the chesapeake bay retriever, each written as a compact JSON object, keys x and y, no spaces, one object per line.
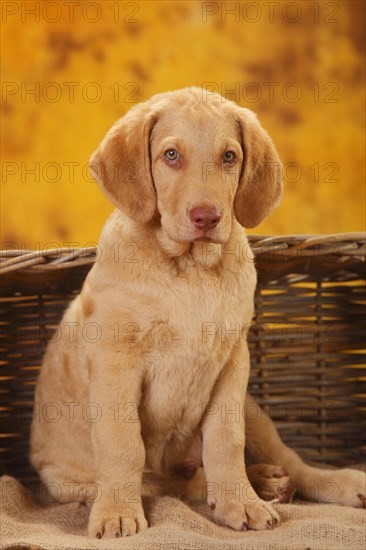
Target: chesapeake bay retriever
{"x":146,"y":370}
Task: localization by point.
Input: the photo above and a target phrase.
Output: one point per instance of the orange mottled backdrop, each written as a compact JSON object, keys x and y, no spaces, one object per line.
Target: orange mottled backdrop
{"x":69,"y":69}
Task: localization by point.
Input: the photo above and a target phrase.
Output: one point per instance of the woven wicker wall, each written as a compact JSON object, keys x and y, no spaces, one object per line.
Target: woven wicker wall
{"x":307,"y":341}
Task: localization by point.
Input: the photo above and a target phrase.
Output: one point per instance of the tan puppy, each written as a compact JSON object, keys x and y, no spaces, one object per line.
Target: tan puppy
{"x":147,"y":366}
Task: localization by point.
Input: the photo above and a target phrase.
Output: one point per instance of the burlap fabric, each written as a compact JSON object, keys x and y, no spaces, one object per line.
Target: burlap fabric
{"x":176,"y":526}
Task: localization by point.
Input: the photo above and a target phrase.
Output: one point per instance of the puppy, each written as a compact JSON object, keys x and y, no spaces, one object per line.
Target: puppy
{"x":148,"y":367}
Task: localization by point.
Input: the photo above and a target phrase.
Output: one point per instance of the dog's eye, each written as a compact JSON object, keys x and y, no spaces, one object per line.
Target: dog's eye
{"x":171,"y":154}
{"x":229,"y":157}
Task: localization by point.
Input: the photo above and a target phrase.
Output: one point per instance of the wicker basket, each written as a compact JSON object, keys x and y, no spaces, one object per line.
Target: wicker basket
{"x":307,"y":341}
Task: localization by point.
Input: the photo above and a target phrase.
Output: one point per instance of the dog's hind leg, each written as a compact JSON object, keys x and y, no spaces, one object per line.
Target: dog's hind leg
{"x":346,"y":486}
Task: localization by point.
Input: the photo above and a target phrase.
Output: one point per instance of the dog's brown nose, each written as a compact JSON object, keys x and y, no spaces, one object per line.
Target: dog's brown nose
{"x":205,"y":217}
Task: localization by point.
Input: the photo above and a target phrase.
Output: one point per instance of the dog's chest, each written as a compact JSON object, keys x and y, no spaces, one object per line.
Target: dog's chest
{"x":196,"y":329}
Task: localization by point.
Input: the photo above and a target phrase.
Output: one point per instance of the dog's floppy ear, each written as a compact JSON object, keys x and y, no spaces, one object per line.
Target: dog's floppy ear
{"x":260,"y":185}
{"x":121,"y":164}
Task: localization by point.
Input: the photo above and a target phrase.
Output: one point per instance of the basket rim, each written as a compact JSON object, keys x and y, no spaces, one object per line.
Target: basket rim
{"x":342,"y":246}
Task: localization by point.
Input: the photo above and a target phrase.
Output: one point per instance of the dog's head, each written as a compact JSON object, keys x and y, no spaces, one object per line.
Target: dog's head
{"x":193,"y":160}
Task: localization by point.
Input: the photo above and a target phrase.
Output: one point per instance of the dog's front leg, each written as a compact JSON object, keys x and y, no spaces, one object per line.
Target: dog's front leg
{"x":229,"y":492}
{"x":118,"y":449}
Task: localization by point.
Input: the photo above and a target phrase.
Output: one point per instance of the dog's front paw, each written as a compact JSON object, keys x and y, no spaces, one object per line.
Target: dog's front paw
{"x":242,"y":516}
{"x":110,"y":519}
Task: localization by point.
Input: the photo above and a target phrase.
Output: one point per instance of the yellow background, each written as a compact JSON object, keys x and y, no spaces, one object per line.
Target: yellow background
{"x":127,"y":51}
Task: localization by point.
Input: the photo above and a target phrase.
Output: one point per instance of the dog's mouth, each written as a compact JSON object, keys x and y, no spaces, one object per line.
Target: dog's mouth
{"x":190,"y":235}
{"x":203,"y":239}
{"x":208,"y":236}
